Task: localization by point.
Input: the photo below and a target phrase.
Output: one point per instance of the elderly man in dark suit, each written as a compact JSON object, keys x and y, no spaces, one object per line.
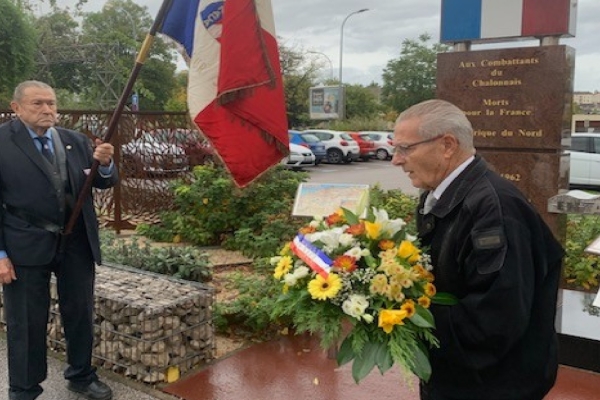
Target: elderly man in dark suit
{"x":42,"y":171}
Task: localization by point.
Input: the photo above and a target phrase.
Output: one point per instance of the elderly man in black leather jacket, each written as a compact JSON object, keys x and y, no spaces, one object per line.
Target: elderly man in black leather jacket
{"x":491,"y":249}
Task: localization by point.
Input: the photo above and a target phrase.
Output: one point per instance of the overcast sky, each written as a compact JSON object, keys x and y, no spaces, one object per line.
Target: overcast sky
{"x":374,"y":37}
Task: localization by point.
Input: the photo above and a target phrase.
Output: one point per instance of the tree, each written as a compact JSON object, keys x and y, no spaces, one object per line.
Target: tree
{"x":410,"y":78}
{"x":123,"y":24}
{"x":17,"y":49}
{"x":362,"y":102}
{"x":57,"y":33}
{"x":299,"y":75}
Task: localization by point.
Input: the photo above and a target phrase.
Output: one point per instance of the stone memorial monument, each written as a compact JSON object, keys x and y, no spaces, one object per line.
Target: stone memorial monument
{"x":519,"y":100}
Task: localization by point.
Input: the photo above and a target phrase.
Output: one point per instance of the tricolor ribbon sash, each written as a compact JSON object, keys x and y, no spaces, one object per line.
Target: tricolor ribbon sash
{"x":311,"y":255}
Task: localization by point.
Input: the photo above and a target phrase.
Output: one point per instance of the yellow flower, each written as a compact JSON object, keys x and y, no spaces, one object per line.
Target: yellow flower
{"x":283,"y":267}
{"x":409,"y":307}
{"x":285,"y":250}
{"x":389,"y":318}
{"x":324,"y":288}
{"x":373,"y":229}
{"x":424,"y":301}
{"x":430,"y":289}
{"x":205,"y":201}
{"x":379,"y":284}
{"x":409,"y":251}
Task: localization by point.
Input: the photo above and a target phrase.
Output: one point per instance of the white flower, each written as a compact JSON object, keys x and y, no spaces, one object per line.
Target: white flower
{"x":410,"y":237}
{"x":355,"y":252}
{"x":332,"y":238}
{"x":368,"y":318}
{"x":390,"y":226}
{"x":346,"y":239}
{"x":301,"y":272}
{"x":355,"y":305}
{"x":292,"y":278}
{"x":274,"y":260}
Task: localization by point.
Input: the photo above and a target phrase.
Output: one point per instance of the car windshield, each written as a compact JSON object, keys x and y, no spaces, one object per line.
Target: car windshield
{"x":175,"y":137}
{"x":309,"y":138}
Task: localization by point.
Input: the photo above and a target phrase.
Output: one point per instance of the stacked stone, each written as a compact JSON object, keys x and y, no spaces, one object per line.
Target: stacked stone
{"x":147,"y":325}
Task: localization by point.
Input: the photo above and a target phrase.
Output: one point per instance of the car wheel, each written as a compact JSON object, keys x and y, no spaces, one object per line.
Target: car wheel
{"x":382,"y":154}
{"x":335,"y":156}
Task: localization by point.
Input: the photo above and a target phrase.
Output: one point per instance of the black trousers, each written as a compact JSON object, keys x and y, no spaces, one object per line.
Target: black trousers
{"x":26,"y":308}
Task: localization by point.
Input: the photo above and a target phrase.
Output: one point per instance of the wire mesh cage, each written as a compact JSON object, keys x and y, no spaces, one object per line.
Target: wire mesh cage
{"x":148,"y":327}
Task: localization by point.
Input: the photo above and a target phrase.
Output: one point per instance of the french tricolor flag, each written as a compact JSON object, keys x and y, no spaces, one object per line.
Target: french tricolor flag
{"x":497,"y":20}
{"x":235,"y":89}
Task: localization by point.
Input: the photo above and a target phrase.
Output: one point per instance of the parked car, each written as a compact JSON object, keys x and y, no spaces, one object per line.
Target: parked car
{"x":197,"y":148}
{"x":299,"y":157}
{"x":310,"y":141}
{"x":383,"y":143}
{"x":153,"y":154}
{"x":339,"y":145}
{"x":365,"y":144}
{"x":585,"y":160}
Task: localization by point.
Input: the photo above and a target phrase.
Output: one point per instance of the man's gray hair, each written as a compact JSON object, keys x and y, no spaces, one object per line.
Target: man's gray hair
{"x":438,"y":117}
{"x":20,"y":89}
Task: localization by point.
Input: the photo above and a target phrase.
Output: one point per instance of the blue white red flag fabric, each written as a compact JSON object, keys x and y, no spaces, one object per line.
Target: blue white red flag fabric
{"x":235,"y":88}
{"x":314,"y":257}
{"x":498,"y":20}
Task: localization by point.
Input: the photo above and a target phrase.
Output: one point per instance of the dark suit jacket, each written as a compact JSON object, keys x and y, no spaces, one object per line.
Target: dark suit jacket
{"x":25,"y":184}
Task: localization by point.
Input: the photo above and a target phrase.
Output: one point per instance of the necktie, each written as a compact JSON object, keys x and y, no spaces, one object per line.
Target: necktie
{"x":46,"y":152}
{"x":430,"y":201}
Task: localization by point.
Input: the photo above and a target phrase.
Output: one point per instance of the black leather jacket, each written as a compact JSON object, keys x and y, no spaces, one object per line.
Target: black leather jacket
{"x":492,"y":249}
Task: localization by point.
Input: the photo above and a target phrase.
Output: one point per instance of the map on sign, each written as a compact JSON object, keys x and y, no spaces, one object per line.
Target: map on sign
{"x":322,"y":199}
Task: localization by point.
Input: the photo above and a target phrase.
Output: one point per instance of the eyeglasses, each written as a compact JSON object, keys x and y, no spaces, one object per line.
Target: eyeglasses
{"x":404,"y":149}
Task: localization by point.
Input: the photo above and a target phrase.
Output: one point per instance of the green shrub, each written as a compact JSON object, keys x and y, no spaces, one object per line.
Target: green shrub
{"x":182,"y":262}
{"x":249,"y":313}
{"x":211,"y":210}
{"x":581,"y":269}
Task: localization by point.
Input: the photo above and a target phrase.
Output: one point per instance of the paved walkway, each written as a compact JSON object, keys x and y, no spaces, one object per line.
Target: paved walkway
{"x":286,"y":369}
{"x":295,"y":368}
{"x":55,"y":386}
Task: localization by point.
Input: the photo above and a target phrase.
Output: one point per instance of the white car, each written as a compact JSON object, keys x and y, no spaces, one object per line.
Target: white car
{"x":152,"y":154}
{"x":383,"y":143}
{"x":585,"y":160}
{"x":299,"y":157}
{"x":340,"y":146}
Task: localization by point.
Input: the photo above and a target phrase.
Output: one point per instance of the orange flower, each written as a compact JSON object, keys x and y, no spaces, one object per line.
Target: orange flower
{"x":356,"y":230}
{"x":386,"y":244}
{"x":409,"y":307}
{"x":345,"y":263}
{"x":334,"y":218}
{"x":305,"y":230}
{"x":424,"y":301}
{"x":429,"y":289}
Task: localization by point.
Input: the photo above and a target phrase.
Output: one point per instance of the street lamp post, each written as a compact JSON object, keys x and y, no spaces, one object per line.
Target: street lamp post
{"x":342,"y":100}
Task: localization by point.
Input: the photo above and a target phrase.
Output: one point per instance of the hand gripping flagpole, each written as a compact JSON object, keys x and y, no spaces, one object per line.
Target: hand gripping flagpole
{"x":114,"y":120}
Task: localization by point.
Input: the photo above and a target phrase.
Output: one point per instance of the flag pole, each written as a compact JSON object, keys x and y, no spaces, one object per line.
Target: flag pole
{"x":139,"y":62}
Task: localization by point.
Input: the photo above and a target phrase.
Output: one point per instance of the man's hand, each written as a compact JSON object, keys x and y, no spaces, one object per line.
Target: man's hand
{"x":103,"y":152}
{"x":7,"y":271}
